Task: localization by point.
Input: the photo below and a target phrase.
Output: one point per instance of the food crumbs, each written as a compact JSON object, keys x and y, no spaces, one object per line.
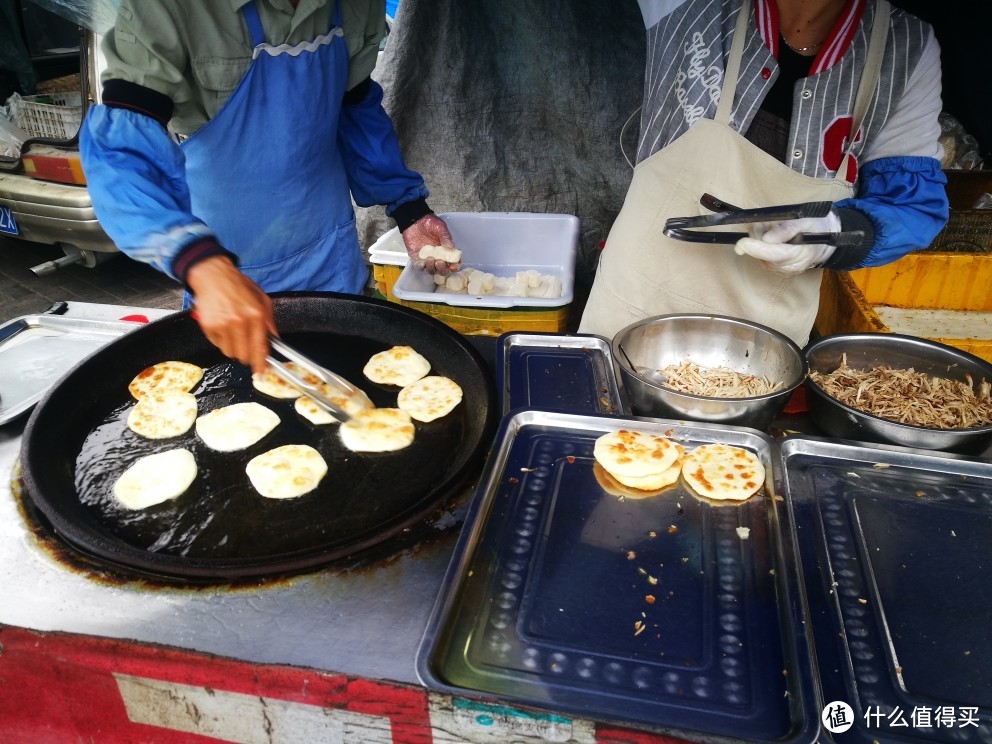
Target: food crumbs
{"x":685,"y":560}
{"x":881,"y":465}
{"x":743,"y":532}
{"x":672,"y":529}
{"x":953,"y":533}
{"x":862,"y":601}
{"x":652,"y":533}
{"x":527,"y":470}
{"x":967,"y":653}
{"x":919,"y":494}
{"x":631,"y":555}
{"x":652,"y":580}
{"x":649,"y":598}
{"x":639,"y":628}
{"x":570,"y":459}
{"x":514,"y":480}
{"x":642,"y":572}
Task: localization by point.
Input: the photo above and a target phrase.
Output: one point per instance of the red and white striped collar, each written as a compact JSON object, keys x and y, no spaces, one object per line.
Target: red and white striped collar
{"x":833,"y":47}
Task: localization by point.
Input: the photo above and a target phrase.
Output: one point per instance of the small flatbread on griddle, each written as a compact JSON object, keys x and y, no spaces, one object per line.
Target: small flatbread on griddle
{"x":286,"y":472}
{"x":272,"y":384}
{"x":156,"y":478}
{"x":400,"y":366}
{"x":319,"y":416}
{"x":377,"y":430}
{"x":235,"y":427}
{"x":161,"y":414}
{"x":430,"y":397}
{"x":168,"y":375}
{"x":721,"y":471}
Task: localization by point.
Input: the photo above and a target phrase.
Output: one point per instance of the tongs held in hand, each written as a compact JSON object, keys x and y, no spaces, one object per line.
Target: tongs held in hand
{"x":322,"y":373}
{"x":726,"y":214}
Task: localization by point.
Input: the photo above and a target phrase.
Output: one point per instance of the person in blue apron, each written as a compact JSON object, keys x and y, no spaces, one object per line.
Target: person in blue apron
{"x":231,"y":140}
{"x":769,"y":102}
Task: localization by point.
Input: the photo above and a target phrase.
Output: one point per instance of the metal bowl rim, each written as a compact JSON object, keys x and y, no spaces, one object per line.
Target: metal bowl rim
{"x":897,"y":337}
{"x":622,"y":360}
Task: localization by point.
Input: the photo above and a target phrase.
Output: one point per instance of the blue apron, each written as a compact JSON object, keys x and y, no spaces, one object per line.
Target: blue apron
{"x":266,"y":173}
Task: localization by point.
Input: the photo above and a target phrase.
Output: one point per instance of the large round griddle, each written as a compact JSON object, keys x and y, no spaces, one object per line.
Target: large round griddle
{"x":76,"y":444}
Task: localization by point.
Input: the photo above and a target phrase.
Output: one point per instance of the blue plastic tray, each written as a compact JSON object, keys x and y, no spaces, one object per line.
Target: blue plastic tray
{"x":896,"y":547}
{"x":553,"y":575}
{"x":557,"y":372}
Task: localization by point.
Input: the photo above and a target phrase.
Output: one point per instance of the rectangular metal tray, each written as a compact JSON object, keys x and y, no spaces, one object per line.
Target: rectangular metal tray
{"x":551,"y":572}
{"x":37,"y":350}
{"x":896,"y":549}
{"x":556,"y":372}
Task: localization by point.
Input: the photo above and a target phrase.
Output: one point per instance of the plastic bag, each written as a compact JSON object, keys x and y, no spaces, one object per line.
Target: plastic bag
{"x":11,"y":139}
{"x":95,"y":15}
{"x":961,"y":150}
{"x":984,"y":201}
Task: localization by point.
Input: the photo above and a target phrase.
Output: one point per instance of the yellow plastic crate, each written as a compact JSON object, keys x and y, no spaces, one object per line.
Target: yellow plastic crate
{"x":474,"y":321}
{"x":945,"y":297}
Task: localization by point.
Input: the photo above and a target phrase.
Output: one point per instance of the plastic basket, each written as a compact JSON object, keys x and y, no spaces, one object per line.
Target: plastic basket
{"x":53,"y":115}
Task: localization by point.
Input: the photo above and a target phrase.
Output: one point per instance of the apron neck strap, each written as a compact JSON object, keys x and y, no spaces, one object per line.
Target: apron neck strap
{"x":733,"y":70}
{"x":254,"y":23}
{"x":869,"y":75}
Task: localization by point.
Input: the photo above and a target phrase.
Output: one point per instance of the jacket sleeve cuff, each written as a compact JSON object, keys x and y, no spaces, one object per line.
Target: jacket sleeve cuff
{"x":193,"y":253}
{"x":851,"y":257}
{"x":409,"y":212}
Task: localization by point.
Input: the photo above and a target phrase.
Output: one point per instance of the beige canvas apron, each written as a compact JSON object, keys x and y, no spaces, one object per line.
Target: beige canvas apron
{"x":642,"y":273}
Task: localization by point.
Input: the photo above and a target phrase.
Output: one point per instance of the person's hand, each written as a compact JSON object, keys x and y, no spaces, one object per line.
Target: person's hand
{"x":233,"y":312}
{"x":429,"y":230}
{"x":769,"y":242}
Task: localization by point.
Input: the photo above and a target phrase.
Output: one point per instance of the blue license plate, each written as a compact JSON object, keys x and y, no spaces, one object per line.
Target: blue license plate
{"x":7,"y":223}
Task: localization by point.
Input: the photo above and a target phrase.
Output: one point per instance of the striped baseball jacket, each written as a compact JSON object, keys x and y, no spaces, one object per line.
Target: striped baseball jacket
{"x":895,"y":167}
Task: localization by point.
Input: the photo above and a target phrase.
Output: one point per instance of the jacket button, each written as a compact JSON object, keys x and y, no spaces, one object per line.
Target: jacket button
{"x":797,"y":153}
{"x":807,"y":94}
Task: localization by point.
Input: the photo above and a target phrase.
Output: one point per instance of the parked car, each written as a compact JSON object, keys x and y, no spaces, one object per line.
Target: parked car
{"x":43,"y":196}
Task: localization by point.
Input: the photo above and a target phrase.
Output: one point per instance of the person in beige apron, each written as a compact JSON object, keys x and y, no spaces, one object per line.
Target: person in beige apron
{"x":642,"y":273}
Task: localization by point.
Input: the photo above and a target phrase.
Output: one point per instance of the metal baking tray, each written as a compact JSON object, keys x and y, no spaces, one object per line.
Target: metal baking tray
{"x":37,"y":350}
{"x":896,"y":548}
{"x":551,"y":572}
{"x":552,"y":372}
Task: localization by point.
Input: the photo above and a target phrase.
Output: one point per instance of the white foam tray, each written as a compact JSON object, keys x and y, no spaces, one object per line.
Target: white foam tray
{"x":501,"y":243}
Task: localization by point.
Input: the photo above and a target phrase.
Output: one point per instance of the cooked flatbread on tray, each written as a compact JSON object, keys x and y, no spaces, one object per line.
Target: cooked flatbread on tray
{"x":168,"y":375}
{"x":722,"y":471}
{"x":319,"y":416}
{"x":430,"y":397}
{"x":647,"y":462}
{"x":400,"y":365}
{"x":378,"y":430}
{"x":273,"y":385}
{"x":235,"y":427}
{"x":286,"y":472}
{"x":152,"y":479}
{"x":615,"y":488}
{"x":635,"y":453}
{"x":162,"y":413}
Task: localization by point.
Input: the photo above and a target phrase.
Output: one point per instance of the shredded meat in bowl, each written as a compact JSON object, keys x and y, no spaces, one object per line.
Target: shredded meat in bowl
{"x":909,"y":397}
{"x":715,"y":382}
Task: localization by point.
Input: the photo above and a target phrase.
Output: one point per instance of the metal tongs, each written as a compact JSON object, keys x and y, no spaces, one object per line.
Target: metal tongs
{"x":727,"y":214}
{"x":322,"y":373}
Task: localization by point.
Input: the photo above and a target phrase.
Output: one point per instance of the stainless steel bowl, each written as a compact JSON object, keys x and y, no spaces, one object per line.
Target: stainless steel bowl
{"x":644,"y":347}
{"x":867,"y":350}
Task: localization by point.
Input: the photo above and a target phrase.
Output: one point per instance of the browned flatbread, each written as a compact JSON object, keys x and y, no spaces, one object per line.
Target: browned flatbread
{"x":722,"y":471}
{"x":615,"y":488}
{"x":168,"y":375}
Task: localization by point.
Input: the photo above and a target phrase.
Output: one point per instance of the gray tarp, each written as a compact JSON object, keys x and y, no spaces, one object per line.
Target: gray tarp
{"x":516,"y":107}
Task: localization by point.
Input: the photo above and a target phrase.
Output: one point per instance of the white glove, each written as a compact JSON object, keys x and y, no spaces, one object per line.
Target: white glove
{"x":769,"y":242}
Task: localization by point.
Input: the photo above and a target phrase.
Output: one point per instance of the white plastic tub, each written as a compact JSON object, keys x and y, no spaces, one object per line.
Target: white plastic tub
{"x":501,"y":243}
